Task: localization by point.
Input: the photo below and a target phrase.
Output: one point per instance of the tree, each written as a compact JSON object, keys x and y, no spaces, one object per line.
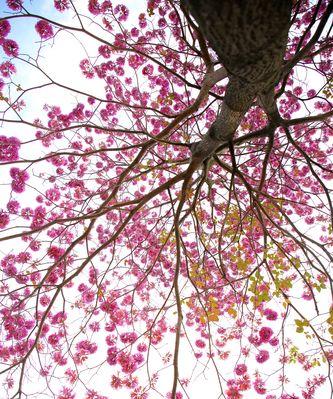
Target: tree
{"x":173,"y":208}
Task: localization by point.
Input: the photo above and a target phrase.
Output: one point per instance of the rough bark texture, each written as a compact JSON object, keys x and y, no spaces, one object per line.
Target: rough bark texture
{"x":249,"y":37}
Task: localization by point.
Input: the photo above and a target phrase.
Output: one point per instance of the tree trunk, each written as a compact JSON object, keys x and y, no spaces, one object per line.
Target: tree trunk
{"x":249,"y":38}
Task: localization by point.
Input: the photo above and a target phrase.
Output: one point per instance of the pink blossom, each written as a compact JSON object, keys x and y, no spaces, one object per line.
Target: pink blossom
{"x":240,"y":369}
{"x":259,"y":386}
{"x":138,"y":357}
{"x":38,"y":217}
{"x":19,"y":178}
{"x":265,"y":334}
{"x":59,"y":358}
{"x":200,"y":343}
{"x":53,"y":194}
{"x":4,"y":219}
{"x":6,"y":69}
{"x":59,"y":318}
{"x":18,"y":186}
{"x":86,"y":347}
{"x":55,"y":252}
{"x":139,"y":393}
{"x":9,"y":147}
{"x":87,"y":69}
{"x":4,"y":28}
{"x":105,"y":51}
{"x":61,"y":5}
{"x":307,"y":295}
{"x":44,"y":29}
{"x":127,"y":362}
{"x":71,"y":375}
{"x":44,"y":300}
{"x":94,"y":326}
{"x":179,"y":395}
{"x":34,"y":245}
{"x":148,"y":70}
{"x":94,"y":7}
{"x":53,"y":339}
{"x":10,"y":48}
{"x":15,"y":5}
{"x":82,"y":287}
{"x":23,"y":257}
{"x":270,"y":314}
{"x":121,"y":11}
{"x":18,"y":174}
{"x":13,"y":206}
{"x":311,"y":93}
{"x":135,"y":32}
{"x":128,"y":338}
{"x":66,"y":393}
{"x":162,"y":23}
{"x":262,"y":356}
{"x":274,"y":341}
{"x":88,"y":296}
{"x":142,"y":347}
{"x":142,"y":21}
{"x":116,"y":382}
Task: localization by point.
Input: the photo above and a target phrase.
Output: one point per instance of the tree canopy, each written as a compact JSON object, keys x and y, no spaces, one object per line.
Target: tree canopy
{"x":166,"y":216}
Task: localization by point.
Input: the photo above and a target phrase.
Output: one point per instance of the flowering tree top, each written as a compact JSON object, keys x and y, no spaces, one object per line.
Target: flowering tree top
{"x":166,"y":206}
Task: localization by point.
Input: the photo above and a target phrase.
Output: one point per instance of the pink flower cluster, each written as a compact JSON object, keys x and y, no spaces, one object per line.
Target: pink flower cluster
{"x":200,"y":343}
{"x":240,"y":369}
{"x":10,"y":48}
{"x":4,"y":28}
{"x":58,"y":318}
{"x":262,"y":356}
{"x":129,"y":363}
{"x":128,"y":338}
{"x":265,"y":334}
{"x":121,"y":11}
{"x":19,"y":179}
{"x":237,"y":386}
{"x":38,"y":217}
{"x":7,"y":69}
{"x":55,"y":252}
{"x":259,"y":386}
{"x":86,"y":347}
{"x":13,"y":206}
{"x":16,"y":326}
{"x":61,"y":5}
{"x":179,"y":395}
{"x":44,"y":29}
{"x":15,"y":5}
{"x":270,"y":314}
{"x":9,"y":147}
{"x":4,"y":219}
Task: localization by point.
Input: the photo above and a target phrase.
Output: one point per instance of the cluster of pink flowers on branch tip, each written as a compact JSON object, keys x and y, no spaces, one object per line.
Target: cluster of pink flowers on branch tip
{"x":61,"y":5}
{"x":262,"y":356}
{"x":10,"y":47}
{"x":20,"y":178}
{"x":9,"y":148}
{"x":44,"y":29}
{"x":4,"y":219}
{"x":4,"y":28}
{"x":15,"y":5}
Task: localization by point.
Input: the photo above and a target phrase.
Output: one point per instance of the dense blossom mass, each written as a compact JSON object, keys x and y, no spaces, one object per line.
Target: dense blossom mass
{"x":166,"y":200}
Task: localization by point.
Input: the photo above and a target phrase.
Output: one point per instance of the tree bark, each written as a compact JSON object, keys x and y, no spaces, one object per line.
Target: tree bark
{"x":249,"y":38}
